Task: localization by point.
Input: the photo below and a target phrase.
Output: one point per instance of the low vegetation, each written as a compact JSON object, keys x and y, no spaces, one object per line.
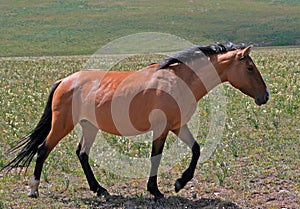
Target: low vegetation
{"x":256,"y":164}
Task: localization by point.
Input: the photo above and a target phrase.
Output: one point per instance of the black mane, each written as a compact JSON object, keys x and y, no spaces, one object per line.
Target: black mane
{"x":195,"y":52}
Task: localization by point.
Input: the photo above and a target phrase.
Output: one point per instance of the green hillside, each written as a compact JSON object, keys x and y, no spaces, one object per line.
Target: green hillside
{"x":34,"y":28}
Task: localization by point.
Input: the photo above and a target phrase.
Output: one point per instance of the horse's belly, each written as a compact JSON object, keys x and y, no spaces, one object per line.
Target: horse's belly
{"x":121,"y":122}
{"x":122,"y":128}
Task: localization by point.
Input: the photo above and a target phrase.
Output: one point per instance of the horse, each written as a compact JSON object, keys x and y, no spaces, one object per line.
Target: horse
{"x":160,"y":98}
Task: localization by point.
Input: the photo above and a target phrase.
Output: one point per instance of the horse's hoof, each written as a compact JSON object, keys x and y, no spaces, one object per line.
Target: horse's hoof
{"x":156,"y":193}
{"x":159,"y":197}
{"x":33,"y":194}
{"x":178,"y":185}
{"x":101,"y":192}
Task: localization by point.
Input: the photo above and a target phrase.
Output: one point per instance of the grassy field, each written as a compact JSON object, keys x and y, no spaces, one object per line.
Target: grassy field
{"x":256,"y":165}
{"x":34,"y":28}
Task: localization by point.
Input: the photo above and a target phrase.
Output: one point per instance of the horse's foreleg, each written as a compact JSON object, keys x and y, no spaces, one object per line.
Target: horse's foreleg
{"x":89,"y":133}
{"x":157,"y":148}
{"x":185,"y":135}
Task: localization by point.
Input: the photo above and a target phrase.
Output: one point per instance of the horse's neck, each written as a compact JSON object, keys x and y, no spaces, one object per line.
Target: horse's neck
{"x":201,"y":79}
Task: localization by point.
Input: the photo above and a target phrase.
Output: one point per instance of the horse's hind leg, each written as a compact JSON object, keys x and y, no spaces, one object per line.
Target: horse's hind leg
{"x":62,"y":124}
{"x":89,"y":132}
{"x":185,"y":135}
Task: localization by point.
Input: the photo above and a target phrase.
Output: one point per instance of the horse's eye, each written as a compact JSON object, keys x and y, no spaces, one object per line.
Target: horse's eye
{"x":250,"y":68}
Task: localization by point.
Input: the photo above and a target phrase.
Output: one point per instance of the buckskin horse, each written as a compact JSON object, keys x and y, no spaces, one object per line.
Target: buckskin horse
{"x":160,"y":97}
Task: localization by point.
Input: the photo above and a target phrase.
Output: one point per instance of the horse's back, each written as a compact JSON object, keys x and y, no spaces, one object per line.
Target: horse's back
{"x":121,"y":102}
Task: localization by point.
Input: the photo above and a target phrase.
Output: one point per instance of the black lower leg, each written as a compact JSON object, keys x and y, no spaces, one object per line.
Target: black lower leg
{"x":42,"y":154}
{"x":94,"y":185}
{"x":188,"y":174}
{"x":157,"y":148}
{"x":34,"y":182}
{"x":153,"y":189}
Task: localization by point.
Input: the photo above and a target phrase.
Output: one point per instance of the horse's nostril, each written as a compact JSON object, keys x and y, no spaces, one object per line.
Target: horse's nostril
{"x":267,"y":97}
{"x":268,"y":93}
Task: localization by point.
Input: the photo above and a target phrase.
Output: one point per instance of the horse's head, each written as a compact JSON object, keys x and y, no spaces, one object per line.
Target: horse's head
{"x":242,"y":73}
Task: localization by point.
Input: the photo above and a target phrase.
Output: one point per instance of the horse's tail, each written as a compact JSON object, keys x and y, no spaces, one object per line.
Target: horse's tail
{"x":30,"y":143}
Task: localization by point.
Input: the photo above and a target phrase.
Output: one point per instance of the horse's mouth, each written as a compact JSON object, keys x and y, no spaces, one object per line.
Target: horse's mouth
{"x":262,"y":100}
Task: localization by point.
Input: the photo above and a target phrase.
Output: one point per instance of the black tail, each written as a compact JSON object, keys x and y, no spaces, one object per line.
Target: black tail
{"x":31,"y":142}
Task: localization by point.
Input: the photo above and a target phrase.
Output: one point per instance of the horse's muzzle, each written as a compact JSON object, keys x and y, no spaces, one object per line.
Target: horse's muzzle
{"x":263,"y":98}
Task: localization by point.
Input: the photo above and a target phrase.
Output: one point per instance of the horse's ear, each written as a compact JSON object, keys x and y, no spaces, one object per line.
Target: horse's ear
{"x":245,"y":52}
